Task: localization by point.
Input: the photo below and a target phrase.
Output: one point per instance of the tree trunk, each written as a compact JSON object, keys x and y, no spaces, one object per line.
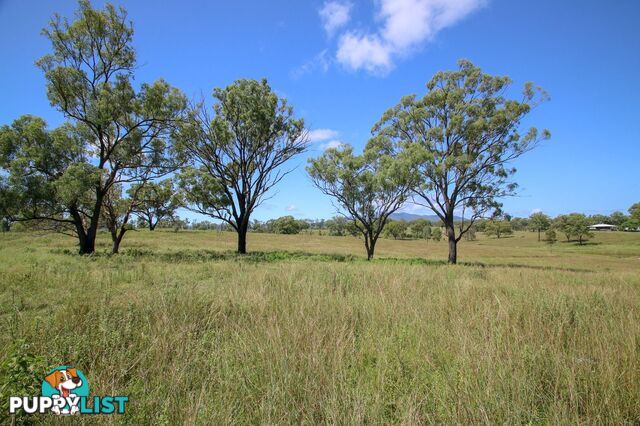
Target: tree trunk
{"x":369,"y":244}
{"x":82,"y":237}
{"x":371,"y":248}
{"x":116,"y":242}
{"x":88,"y":244}
{"x":151,"y":226}
{"x":242,"y":238}
{"x":538,"y":234}
{"x":453,"y":244}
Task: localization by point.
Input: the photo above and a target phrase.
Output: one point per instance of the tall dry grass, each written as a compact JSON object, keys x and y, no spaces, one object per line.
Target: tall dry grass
{"x":204,"y":337}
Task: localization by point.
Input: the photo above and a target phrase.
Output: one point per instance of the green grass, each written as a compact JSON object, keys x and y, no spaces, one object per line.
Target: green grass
{"x":304,"y":330}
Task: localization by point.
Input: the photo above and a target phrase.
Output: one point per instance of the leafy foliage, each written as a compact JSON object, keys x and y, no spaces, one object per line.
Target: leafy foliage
{"x":539,"y":222}
{"x":367,"y":188}
{"x":156,"y":201}
{"x":467,"y":132}
{"x":236,"y":155}
{"x":498,"y":228}
{"x":21,"y":373}
{"x":286,"y":225}
{"x":396,"y":229}
{"x":634,"y":211}
{"x":550,"y":236}
{"x":421,"y":228}
{"x":574,"y":225}
{"x":115,"y":133}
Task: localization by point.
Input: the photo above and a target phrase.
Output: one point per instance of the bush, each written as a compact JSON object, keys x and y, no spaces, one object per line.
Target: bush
{"x":550,"y":236}
{"x":421,"y":228}
{"x":21,"y":374}
{"x":286,"y":225}
{"x":396,"y":229}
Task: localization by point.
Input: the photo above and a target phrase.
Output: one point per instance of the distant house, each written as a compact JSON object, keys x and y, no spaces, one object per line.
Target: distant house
{"x":603,"y":227}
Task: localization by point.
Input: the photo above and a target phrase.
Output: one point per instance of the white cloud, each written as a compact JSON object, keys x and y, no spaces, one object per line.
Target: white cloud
{"x":327,"y":137}
{"x":364,"y":52}
{"x":536,"y":210}
{"x":331,"y":144}
{"x":334,"y":15}
{"x":405,"y":25}
{"x":291,"y":208}
{"x":319,"y":135}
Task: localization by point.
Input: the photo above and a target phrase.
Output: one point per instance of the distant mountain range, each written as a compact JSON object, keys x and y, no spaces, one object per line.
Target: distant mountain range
{"x":410,"y":217}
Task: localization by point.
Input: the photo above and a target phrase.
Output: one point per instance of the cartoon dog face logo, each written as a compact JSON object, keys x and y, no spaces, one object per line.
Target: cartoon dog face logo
{"x":64,"y":381}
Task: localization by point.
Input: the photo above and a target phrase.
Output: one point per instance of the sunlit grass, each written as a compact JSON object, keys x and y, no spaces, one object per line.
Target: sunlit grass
{"x":304,"y":330}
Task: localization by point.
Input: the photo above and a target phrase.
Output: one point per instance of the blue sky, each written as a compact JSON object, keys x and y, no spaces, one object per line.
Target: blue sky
{"x":341,"y":64}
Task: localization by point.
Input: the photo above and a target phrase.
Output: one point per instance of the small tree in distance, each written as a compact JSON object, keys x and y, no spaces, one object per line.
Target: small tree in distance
{"x":157,"y":201}
{"x":579,"y":227}
{"x":421,"y":228}
{"x":396,"y":229}
{"x":286,"y":225}
{"x":499,"y":228}
{"x":550,"y":237}
{"x":339,"y":226}
{"x":561,"y":223}
{"x":368,"y":188}
{"x":634,"y":211}
{"x":539,"y":222}
{"x":116,"y":213}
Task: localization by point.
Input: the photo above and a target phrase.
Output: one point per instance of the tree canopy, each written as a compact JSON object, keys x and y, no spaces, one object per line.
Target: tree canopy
{"x":469,"y":131}
{"x":115,"y":134}
{"x":366,"y":188}
{"x":156,"y":201}
{"x":539,"y":222}
{"x":236,"y":155}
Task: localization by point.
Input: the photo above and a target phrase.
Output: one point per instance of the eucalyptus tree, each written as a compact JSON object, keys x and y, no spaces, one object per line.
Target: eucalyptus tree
{"x":539,"y":222}
{"x":7,"y":204}
{"x":155,"y":201}
{"x":563,"y":224}
{"x":421,"y":228}
{"x":115,"y":134}
{"x":237,"y":155}
{"x":470,"y":130}
{"x":498,"y":227}
{"x":396,"y":229}
{"x":634,"y":211}
{"x":48,"y":176}
{"x":578,"y":227}
{"x":116,"y":213}
{"x":366,"y":188}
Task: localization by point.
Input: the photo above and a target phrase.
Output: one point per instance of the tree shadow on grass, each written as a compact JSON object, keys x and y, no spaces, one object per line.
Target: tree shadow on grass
{"x":436,"y":262}
{"x":193,"y":256}
{"x":576,"y":243}
{"x":188,"y":256}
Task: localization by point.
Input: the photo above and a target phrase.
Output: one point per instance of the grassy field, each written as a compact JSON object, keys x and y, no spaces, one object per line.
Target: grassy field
{"x":304,"y":330}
